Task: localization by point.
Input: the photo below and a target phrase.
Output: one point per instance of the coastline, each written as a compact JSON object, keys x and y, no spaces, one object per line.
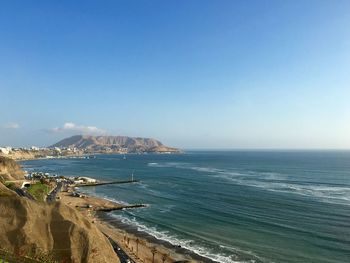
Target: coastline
{"x":176,"y":252}
{"x":32,"y":156}
{"x":137,"y":244}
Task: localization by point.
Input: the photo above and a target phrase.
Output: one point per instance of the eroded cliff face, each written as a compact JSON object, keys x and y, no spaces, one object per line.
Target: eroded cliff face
{"x":10,"y":170}
{"x":28,"y":228}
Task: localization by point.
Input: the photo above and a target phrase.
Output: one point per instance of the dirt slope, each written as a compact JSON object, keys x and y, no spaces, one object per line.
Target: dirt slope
{"x":10,"y":170}
{"x":27,"y":227}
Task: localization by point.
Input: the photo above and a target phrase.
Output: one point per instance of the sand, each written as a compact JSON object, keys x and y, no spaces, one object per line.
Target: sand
{"x":140,"y":246}
{"x":74,"y":229}
{"x":32,"y":228}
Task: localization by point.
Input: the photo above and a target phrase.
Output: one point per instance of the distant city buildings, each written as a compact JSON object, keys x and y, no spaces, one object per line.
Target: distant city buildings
{"x":5,"y":150}
{"x":9,"y":149}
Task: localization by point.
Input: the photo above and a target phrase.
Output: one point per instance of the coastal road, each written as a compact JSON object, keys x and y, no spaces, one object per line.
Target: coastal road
{"x":52,"y":196}
{"x":23,"y":193}
{"x":124,"y":258}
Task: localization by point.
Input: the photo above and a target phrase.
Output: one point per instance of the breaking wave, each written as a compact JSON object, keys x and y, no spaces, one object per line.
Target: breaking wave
{"x":231,"y":255}
{"x":271,"y":181}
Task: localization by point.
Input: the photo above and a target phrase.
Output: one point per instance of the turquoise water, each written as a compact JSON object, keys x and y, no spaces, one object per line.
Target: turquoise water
{"x":239,"y":206}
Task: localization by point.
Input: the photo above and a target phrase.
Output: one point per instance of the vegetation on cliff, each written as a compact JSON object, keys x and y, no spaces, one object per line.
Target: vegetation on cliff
{"x":34,"y":228}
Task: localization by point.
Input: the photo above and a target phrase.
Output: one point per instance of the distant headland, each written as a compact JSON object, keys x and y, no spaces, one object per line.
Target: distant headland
{"x":80,"y":145}
{"x":114,"y":144}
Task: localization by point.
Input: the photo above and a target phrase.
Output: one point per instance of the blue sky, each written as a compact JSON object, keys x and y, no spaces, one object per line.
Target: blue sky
{"x":194,"y":74}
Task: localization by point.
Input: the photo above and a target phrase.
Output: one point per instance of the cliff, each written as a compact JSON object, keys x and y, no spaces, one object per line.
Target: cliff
{"x":29,"y":228}
{"x":10,"y":170}
{"x":25,"y":154}
{"x":114,"y":144}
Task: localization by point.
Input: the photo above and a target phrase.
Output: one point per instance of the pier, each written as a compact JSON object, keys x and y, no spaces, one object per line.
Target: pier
{"x":106,"y":183}
{"x":109,"y":209}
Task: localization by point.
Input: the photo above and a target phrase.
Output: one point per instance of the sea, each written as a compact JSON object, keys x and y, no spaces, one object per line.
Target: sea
{"x":230,"y":206}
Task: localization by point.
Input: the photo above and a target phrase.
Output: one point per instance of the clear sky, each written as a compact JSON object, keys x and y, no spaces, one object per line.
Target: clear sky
{"x":193,"y":74}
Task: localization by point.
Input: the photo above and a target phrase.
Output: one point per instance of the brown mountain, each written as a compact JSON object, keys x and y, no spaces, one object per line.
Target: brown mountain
{"x":114,"y":144}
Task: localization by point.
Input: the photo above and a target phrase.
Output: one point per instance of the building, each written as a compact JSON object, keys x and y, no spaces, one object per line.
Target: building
{"x":5,"y":150}
{"x":58,"y":150}
{"x":79,"y":181}
{"x":87,"y":180}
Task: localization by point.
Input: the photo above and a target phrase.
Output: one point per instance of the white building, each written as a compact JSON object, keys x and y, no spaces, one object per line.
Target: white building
{"x":57,"y":149}
{"x":79,"y":181}
{"x":5,"y":150}
{"x":87,"y":179}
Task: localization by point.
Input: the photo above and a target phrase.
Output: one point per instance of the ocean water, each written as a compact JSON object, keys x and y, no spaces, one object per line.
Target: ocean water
{"x":231,"y":206}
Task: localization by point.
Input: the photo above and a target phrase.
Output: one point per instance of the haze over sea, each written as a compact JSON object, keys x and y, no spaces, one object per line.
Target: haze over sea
{"x":231,"y":206}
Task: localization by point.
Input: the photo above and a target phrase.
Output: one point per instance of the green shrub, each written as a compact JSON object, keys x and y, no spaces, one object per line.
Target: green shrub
{"x":38,"y":191}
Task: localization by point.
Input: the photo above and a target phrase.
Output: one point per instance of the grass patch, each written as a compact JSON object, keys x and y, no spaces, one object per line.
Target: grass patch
{"x":39,"y":191}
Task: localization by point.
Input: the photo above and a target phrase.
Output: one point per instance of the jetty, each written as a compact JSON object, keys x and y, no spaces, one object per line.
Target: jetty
{"x":106,"y":183}
{"x":109,"y":209}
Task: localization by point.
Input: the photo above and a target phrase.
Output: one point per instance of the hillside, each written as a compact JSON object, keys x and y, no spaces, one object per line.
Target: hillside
{"x":10,"y":170}
{"x":31,"y":228}
{"x":29,"y":154}
{"x":114,"y":144}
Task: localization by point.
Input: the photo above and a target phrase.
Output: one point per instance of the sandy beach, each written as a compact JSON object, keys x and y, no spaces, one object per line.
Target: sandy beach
{"x":140,"y":246}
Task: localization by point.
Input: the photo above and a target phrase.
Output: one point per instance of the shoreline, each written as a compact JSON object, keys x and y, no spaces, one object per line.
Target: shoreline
{"x":97,"y":209}
{"x":137,"y":244}
{"x":131,"y":230}
{"x":37,"y":155}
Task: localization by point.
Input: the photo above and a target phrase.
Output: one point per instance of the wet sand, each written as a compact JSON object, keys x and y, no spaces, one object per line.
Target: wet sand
{"x":131,"y":234}
{"x":139,"y":245}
